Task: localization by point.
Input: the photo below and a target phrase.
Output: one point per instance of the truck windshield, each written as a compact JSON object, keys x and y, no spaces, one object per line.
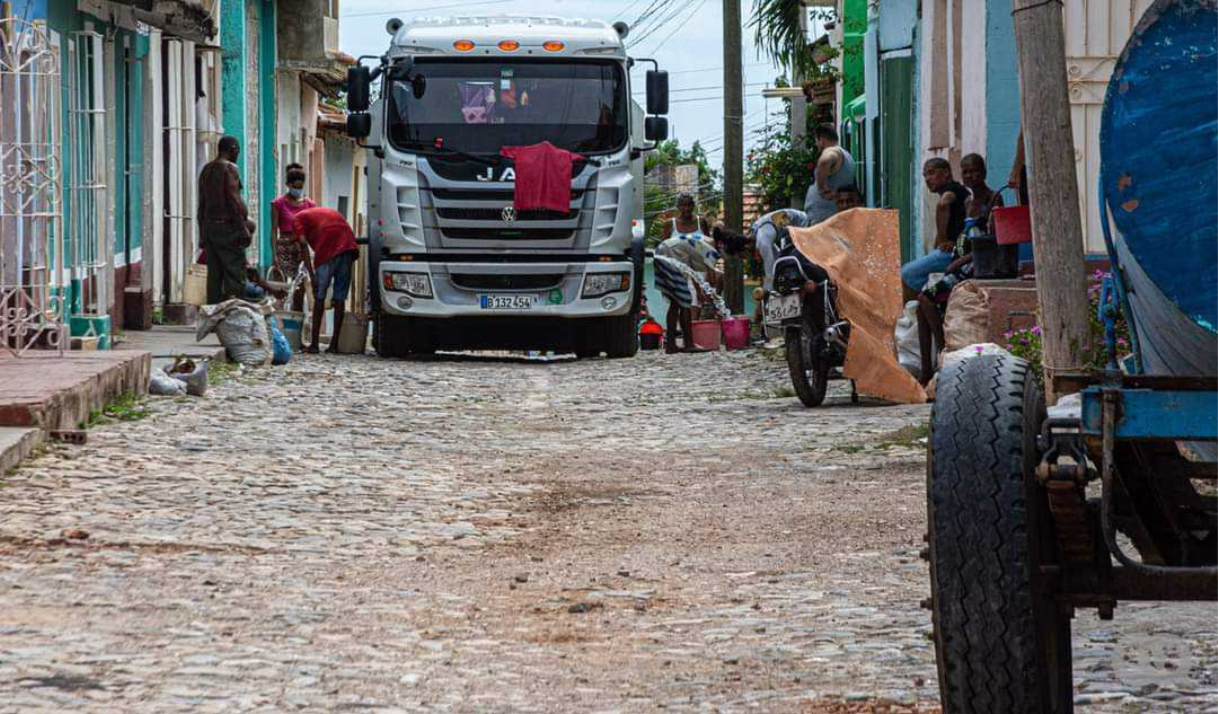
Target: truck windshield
{"x":481,"y":106}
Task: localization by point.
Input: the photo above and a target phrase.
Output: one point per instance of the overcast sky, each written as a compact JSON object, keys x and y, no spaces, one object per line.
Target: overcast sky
{"x":690,"y":47}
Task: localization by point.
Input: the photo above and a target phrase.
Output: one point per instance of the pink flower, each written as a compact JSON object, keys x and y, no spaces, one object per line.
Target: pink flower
{"x":1036,"y":330}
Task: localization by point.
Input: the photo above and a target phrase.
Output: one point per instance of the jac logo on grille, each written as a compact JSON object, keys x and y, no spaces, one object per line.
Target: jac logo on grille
{"x":509,"y":174}
{"x":508,"y":214}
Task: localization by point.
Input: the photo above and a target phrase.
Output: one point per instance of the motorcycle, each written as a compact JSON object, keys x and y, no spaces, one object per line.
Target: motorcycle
{"x":803,"y":304}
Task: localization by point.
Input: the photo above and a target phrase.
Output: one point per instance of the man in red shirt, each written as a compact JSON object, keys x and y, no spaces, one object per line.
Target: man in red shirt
{"x":333,"y":251}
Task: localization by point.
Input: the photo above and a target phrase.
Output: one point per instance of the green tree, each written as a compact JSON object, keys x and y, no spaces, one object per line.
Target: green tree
{"x":779,"y":169}
{"x":659,"y":202}
{"x":780,"y":34}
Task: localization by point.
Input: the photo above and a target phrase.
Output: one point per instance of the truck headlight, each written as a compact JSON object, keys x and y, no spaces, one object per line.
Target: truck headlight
{"x":417,"y":284}
{"x":597,"y":284}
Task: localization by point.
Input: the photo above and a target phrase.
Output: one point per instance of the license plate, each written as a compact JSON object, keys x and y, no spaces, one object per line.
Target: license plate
{"x":783,"y":307}
{"x":507,"y":302}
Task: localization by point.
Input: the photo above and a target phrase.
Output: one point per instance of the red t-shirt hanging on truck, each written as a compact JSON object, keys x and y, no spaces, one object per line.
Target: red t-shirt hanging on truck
{"x":327,"y":233}
{"x":543,"y":176}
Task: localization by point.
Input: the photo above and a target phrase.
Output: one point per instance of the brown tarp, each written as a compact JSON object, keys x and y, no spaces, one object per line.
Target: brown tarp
{"x":861,"y":251}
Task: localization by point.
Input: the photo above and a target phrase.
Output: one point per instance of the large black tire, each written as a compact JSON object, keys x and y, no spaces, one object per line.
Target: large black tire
{"x":394,"y":336}
{"x":809,"y":370}
{"x":622,"y":336}
{"x":1002,"y":642}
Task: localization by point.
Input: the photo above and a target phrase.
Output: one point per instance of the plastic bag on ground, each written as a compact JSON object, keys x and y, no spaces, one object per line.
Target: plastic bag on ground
{"x":909,"y":353}
{"x":984,"y":348}
{"x":192,"y":374}
{"x":281,"y":352}
{"x":162,"y":385}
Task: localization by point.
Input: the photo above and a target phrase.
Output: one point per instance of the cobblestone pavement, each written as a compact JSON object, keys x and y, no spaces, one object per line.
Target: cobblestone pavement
{"x":491,"y":535}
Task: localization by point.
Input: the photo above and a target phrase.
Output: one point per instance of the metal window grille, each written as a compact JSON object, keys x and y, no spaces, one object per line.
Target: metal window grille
{"x":87,"y":250}
{"x":31,"y":232}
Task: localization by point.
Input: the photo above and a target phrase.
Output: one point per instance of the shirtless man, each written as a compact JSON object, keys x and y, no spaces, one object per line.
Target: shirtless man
{"x":225,"y":228}
{"x":834,"y":171}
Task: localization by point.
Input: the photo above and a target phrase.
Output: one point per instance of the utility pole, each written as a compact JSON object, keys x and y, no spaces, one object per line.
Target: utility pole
{"x":733,"y":149}
{"x":1057,"y":229}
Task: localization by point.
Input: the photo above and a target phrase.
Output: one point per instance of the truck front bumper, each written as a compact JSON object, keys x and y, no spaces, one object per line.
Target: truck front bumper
{"x":553,"y":290}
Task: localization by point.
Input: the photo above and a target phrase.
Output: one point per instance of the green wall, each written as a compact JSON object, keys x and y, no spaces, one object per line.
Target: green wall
{"x":268,"y":143}
{"x":854,"y":28}
{"x":897,"y":152}
{"x":234,"y":65}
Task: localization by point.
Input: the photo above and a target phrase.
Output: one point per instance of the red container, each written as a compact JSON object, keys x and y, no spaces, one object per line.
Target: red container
{"x":706,"y":334}
{"x":1012,"y":225}
{"x":736,"y":333}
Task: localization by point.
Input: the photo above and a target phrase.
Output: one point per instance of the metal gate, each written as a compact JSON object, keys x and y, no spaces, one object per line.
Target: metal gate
{"x":32,"y":289}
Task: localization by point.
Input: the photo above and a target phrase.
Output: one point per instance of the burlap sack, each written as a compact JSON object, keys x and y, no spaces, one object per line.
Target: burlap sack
{"x":967,"y":320}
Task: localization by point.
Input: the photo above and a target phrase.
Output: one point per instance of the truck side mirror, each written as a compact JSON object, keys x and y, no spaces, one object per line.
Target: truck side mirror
{"x":657,"y":92}
{"x":359,"y":126}
{"x":359,"y":88}
{"x":656,"y":129}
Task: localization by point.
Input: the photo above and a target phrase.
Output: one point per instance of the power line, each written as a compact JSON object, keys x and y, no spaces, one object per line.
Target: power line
{"x":703,"y":89}
{"x":676,"y":29}
{"x":676,"y":10}
{"x":382,"y":13}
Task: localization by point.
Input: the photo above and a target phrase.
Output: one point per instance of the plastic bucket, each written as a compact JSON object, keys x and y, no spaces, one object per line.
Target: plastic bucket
{"x":291,"y":323}
{"x":992,"y":260}
{"x":707,"y":334}
{"x":736,"y":333}
{"x":353,"y":340}
{"x":1012,"y":225}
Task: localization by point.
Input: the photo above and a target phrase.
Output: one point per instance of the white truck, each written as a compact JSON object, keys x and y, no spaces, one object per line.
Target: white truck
{"x":452,"y":263}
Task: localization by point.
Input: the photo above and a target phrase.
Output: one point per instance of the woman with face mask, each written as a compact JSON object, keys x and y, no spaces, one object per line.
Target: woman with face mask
{"x":283,"y":228}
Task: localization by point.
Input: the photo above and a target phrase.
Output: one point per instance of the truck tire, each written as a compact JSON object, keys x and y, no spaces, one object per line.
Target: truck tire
{"x":394,"y":336}
{"x":621,"y":336}
{"x":809,"y":372}
{"x":389,"y":336}
{"x":1002,"y":642}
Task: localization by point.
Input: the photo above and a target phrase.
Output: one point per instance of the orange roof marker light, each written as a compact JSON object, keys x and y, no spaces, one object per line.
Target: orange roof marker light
{"x":509,"y":45}
{"x":464,"y":45}
{"x":554,"y":46}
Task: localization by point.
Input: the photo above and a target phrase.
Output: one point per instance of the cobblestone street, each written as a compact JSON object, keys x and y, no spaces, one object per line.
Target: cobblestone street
{"x":485,"y":534}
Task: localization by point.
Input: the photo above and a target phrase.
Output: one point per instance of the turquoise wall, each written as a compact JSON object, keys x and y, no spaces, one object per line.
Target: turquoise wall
{"x":1001,"y":91}
{"x":234,"y":65}
{"x":267,"y":106}
{"x":135,"y":202}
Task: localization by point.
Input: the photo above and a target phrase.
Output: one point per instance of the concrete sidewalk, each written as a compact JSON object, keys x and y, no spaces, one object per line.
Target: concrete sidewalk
{"x":53,"y":392}
{"x":43,"y":391}
{"x":165,"y":342}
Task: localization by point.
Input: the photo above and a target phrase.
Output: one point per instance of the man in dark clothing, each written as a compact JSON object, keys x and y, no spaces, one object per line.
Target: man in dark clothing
{"x":224,"y":225}
{"x":950,"y":211}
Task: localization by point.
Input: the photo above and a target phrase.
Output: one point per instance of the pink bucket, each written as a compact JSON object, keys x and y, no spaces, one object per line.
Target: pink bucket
{"x":706,"y":334}
{"x":736,"y":333}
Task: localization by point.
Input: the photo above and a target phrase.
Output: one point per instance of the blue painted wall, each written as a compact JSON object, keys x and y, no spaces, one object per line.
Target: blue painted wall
{"x":234,"y":65}
{"x":267,"y":108}
{"x":896,"y":24}
{"x":1001,"y":90}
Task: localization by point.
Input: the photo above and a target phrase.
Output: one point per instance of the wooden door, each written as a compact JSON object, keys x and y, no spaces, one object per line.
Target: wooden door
{"x":1096,"y":32}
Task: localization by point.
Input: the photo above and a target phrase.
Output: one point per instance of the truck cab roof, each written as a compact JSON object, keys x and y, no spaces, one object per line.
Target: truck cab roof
{"x":578,"y":37}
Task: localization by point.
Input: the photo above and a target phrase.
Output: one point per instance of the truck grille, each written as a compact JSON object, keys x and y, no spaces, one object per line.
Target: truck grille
{"x":496,"y":214}
{"x":473,"y":281}
{"x":507,"y":233}
{"x":506,"y":196}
